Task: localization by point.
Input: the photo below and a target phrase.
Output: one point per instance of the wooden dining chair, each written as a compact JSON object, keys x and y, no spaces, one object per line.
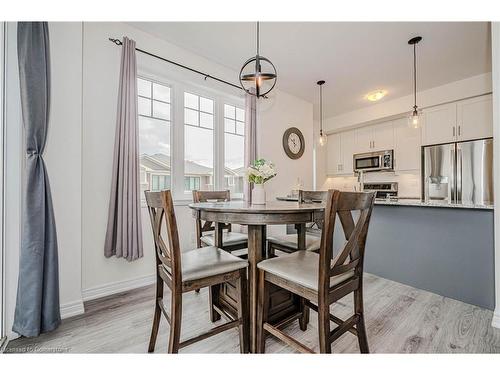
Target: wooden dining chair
{"x":233,"y":242}
{"x":321,"y":280}
{"x":289,"y":243}
{"x":189,"y":270}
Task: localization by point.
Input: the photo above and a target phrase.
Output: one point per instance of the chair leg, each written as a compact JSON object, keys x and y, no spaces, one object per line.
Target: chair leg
{"x":324,"y":328}
{"x":243,"y":313}
{"x":262,"y":312}
{"x":214,"y":291}
{"x":175,"y":323}
{"x":157,"y":314}
{"x":304,"y":317}
{"x":360,"y":326}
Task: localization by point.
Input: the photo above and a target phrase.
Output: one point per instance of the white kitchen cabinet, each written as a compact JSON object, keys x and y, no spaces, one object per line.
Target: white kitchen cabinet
{"x":339,"y":153}
{"x":407,"y":146}
{"x":363,"y":138}
{"x":374,"y":138}
{"x":439,"y":124}
{"x":347,"y":150}
{"x":383,"y":136}
{"x":333,"y":154}
{"x":459,"y":121}
{"x":475,"y":118}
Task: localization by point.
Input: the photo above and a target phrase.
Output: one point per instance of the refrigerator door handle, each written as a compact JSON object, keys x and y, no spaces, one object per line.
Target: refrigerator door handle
{"x":452,"y":186}
{"x":459,"y":174}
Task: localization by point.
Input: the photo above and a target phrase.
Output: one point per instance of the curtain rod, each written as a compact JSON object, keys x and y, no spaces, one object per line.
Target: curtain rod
{"x":119,"y":43}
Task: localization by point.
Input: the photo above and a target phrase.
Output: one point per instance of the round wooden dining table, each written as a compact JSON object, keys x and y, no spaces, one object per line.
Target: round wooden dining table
{"x":256,"y":218}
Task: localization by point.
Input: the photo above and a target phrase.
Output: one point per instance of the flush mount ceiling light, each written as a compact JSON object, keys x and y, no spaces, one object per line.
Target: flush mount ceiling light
{"x":376,"y":95}
{"x":414,"y":118}
{"x":258,"y":74}
{"x":322,"y":137}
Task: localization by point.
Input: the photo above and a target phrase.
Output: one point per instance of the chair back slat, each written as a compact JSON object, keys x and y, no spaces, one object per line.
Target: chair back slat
{"x":161,"y":211}
{"x":209,"y":196}
{"x":351,"y":256}
{"x":312,"y":196}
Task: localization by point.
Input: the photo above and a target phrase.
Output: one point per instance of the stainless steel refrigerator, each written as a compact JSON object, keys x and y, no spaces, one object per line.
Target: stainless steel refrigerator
{"x":460,"y":172}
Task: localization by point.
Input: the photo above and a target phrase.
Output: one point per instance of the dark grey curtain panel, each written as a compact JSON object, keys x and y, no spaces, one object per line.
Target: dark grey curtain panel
{"x":124,"y":231}
{"x":37,"y":305}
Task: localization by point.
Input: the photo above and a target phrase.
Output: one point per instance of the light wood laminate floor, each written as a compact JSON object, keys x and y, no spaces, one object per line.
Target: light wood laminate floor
{"x":399,"y":319}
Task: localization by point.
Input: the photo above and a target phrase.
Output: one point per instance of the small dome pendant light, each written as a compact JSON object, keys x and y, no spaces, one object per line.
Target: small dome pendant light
{"x":414,"y":118}
{"x":260,"y":80}
{"x":323,"y":138}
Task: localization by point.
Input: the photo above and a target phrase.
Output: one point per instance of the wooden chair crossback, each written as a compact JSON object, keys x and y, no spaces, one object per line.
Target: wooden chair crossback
{"x":209,"y":226}
{"x":337,"y":276}
{"x":169,"y":271}
{"x":312,"y":241}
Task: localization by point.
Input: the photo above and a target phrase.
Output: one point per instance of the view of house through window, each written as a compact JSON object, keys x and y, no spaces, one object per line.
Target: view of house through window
{"x":154,"y":135}
{"x":198,"y":142}
{"x":199,"y":122}
{"x":234,"y":148}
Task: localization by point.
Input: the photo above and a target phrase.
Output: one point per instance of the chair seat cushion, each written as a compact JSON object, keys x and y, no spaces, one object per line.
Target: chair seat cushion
{"x":300,"y":267}
{"x":228,"y":239}
{"x":291,"y":241}
{"x":208,"y":261}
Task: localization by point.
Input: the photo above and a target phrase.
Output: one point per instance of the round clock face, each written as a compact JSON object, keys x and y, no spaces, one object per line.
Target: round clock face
{"x":293,"y":143}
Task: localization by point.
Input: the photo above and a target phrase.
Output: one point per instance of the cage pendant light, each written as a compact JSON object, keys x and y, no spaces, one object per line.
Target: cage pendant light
{"x":258,"y":75}
{"x":323,"y":139}
{"x":414,"y":118}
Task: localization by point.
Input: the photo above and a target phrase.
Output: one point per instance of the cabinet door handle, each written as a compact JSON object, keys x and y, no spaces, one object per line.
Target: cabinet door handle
{"x":373,"y":144}
{"x":459,"y":130}
{"x":453,"y":131}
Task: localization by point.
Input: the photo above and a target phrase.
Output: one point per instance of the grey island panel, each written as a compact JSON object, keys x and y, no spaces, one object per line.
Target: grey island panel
{"x":443,"y":250}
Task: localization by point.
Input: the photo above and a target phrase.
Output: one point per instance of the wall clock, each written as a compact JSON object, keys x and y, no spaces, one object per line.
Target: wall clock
{"x":293,"y":143}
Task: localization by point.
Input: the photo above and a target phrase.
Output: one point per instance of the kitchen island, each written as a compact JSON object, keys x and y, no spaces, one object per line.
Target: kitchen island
{"x":447,"y":249}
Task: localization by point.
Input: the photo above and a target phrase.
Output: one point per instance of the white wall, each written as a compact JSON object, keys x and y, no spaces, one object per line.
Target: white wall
{"x":63,"y":157}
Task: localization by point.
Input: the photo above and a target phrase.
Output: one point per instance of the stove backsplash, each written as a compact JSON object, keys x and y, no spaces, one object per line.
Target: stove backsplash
{"x":408,"y":182}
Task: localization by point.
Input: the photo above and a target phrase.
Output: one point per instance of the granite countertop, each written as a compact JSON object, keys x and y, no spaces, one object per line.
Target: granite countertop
{"x":415,"y":202}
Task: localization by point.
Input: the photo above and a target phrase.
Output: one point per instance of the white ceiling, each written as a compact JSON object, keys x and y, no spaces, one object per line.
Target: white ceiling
{"x":353,"y":57}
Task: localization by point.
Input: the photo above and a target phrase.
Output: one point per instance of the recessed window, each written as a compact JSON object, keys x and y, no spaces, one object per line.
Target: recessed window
{"x":234,"y":149}
{"x":154,"y":135}
{"x":198,"y":142}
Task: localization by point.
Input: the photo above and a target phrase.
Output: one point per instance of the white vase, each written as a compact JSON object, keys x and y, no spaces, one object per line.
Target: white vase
{"x":258,"y":194}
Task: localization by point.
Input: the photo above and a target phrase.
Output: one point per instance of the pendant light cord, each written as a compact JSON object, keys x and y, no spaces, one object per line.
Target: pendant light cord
{"x":321,"y":109}
{"x":258,"y":37}
{"x":415,"y":75}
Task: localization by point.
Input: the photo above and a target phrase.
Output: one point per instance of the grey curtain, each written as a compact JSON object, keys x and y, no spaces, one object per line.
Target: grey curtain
{"x":250,"y":139}
{"x":37,"y":305}
{"x":124,"y":231}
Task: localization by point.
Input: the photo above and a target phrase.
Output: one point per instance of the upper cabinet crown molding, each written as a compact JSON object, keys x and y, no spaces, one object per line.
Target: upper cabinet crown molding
{"x":459,"y":121}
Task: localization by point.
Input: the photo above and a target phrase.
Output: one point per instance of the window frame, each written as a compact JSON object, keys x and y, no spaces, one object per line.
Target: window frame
{"x":177,"y":124}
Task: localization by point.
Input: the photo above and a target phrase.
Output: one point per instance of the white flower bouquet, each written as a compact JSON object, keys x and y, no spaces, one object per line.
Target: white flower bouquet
{"x":261,"y":171}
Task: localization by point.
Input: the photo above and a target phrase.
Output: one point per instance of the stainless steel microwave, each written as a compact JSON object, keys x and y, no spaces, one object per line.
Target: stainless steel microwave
{"x":374,"y":161}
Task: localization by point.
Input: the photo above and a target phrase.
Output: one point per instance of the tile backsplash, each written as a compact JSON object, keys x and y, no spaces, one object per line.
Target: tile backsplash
{"x":408,"y":182}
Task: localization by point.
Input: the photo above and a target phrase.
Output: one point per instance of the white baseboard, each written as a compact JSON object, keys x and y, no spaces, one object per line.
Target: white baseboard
{"x":495,"y":322}
{"x":117,"y":287}
{"x":72,"y":309}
